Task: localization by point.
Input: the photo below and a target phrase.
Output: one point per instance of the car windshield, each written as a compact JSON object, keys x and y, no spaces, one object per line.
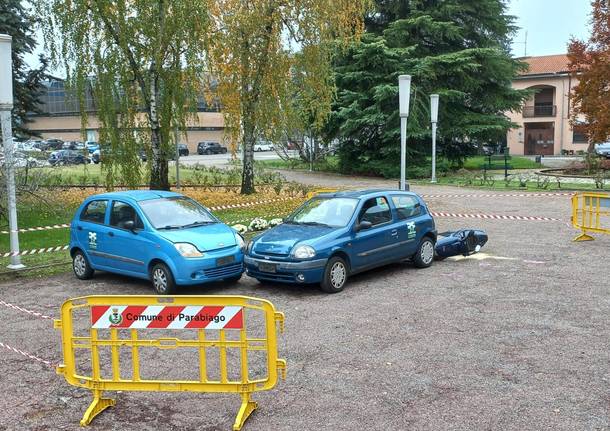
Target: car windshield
{"x":334,"y":212}
{"x":176,"y":213}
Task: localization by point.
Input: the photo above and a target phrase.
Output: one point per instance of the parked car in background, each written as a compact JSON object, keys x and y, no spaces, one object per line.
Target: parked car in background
{"x":21,"y":160}
{"x":210,"y":148}
{"x":334,"y":235}
{"x":26,"y":146}
{"x":67,"y":157}
{"x":95,"y":156}
{"x":92,"y":146}
{"x":73,"y":145}
{"x":183,"y":150}
{"x":164,"y":237}
{"x":263,"y":146}
{"x":52,"y":144}
{"x":603,"y":149}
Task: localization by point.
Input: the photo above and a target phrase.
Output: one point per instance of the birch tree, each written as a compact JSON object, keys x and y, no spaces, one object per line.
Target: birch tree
{"x":256,"y":47}
{"x":143,"y":62}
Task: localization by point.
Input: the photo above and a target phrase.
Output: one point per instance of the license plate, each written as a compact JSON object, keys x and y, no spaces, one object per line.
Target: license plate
{"x":267,"y":267}
{"x":225,"y":260}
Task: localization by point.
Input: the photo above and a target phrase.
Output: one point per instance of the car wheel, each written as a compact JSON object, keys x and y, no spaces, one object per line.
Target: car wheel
{"x":162,"y":279}
{"x":81,"y":267}
{"x":424,"y":256}
{"x":233,"y":279}
{"x":335,"y":275}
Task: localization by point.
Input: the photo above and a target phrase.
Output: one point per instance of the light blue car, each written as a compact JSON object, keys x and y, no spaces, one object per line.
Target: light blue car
{"x":162,"y":236}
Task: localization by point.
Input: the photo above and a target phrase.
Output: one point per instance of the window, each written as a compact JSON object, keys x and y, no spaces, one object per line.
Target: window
{"x":336,"y":212}
{"x":175,"y":213}
{"x":376,"y":211}
{"x":406,"y":206}
{"x":94,"y":212}
{"x":579,"y":135}
{"x":121,"y":213}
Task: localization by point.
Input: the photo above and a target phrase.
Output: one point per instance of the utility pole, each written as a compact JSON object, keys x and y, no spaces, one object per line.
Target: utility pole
{"x":404,"y":94}
{"x":434,"y":120}
{"x":6,"y":107}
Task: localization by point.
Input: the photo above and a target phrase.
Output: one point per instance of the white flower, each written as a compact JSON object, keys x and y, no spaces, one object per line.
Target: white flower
{"x":240,"y":228}
{"x":275,"y":222}
{"x":258,"y":224}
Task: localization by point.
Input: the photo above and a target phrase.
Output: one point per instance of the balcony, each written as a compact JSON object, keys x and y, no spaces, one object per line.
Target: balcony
{"x":539,"y":111}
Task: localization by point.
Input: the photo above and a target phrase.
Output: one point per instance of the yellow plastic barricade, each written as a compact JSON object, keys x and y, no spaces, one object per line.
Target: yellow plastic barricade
{"x":590,"y":213}
{"x":318,"y":191}
{"x":114,"y":331}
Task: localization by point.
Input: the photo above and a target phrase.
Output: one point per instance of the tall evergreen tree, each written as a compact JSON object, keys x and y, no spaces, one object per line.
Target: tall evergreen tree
{"x":457,"y":49}
{"x":16,"y":21}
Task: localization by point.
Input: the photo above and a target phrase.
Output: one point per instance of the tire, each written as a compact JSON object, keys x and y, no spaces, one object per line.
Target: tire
{"x":200,"y":152}
{"x":208,"y":152}
{"x":335,"y":275}
{"x":81,"y":267}
{"x":233,"y":279}
{"x":162,"y":279}
{"x":424,"y":256}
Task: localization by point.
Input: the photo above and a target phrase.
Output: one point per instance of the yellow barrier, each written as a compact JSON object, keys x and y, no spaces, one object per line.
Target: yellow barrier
{"x":590,"y":213}
{"x":104,"y":319}
{"x":318,"y":191}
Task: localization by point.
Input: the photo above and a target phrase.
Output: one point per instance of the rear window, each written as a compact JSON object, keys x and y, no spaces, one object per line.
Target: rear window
{"x":95,"y":211}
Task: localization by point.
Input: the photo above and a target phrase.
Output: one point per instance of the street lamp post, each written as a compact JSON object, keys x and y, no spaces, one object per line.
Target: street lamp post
{"x":6,"y":106}
{"x":434,"y":120}
{"x":404,"y":93}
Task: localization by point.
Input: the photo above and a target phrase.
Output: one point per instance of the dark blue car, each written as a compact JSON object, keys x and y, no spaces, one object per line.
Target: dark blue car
{"x":334,"y":235}
{"x":165,"y":237}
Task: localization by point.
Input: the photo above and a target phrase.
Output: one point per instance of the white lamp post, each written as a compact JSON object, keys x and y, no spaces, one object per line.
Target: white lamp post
{"x":6,"y":106}
{"x":434,"y":120}
{"x":404,"y":93}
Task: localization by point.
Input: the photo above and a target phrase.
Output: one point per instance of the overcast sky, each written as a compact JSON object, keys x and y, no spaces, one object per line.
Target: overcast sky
{"x":549,"y":24}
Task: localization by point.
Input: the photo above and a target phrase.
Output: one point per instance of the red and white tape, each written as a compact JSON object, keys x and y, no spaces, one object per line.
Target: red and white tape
{"x":250,"y":204}
{"x":167,"y":317}
{"x":493,"y":216}
{"x":38,"y":228}
{"x":496,"y":195}
{"x":25,"y":310}
{"x":36,"y":251}
{"x":26,"y":354}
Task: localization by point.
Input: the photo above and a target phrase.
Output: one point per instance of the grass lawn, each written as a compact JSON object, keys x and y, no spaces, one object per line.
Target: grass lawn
{"x":517,"y":162}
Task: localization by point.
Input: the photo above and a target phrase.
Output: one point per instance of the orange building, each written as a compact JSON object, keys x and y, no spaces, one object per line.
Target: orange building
{"x":544,"y":123}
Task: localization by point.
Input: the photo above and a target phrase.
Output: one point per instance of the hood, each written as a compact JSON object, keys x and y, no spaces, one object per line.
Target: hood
{"x":282,"y":238}
{"x":205,"y":238}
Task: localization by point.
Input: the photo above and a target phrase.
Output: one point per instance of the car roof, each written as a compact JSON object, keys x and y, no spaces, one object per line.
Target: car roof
{"x":137,"y":195}
{"x":359,"y":194}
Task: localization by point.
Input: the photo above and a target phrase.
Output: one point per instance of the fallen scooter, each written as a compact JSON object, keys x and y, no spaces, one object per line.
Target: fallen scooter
{"x":461,"y":242}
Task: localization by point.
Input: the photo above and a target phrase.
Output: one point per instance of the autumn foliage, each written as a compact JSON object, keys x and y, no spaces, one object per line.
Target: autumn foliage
{"x":590,"y":64}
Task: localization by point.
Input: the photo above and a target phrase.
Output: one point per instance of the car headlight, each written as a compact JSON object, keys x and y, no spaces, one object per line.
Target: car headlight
{"x":304,"y":252}
{"x":187,"y":249}
{"x":240,"y":241}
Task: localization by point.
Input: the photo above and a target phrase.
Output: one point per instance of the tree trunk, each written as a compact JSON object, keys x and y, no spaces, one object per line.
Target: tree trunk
{"x":249,"y":138}
{"x":159,"y":171}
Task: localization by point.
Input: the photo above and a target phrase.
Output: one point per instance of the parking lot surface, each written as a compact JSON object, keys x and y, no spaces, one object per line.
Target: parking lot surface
{"x":515,"y":338}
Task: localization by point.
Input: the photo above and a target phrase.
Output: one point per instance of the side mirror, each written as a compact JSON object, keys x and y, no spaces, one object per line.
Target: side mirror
{"x":363,"y":225}
{"x":129,"y":225}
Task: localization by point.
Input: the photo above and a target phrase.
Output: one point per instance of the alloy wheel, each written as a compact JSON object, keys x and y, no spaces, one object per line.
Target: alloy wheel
{"x":427,"y":252}
{"x":337,"y":275}
{"x":160,"y":280}
{"x":79,"y":264}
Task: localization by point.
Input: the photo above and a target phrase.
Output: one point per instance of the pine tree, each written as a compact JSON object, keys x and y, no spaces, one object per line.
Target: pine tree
{"x":457,"y":49}
{"x":16,"y":21}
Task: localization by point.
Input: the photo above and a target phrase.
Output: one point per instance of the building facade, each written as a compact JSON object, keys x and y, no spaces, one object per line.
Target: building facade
{"x":544,"y":122}
{"x":61,"y":119}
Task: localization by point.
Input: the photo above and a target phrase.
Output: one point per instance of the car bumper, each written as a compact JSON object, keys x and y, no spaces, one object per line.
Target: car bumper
{"x":204,"y":270}
{"x":308,"y":271}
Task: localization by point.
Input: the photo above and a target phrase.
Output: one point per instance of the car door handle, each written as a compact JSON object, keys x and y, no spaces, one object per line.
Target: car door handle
{"x":110,"y":234}
{"x":394,"y":232}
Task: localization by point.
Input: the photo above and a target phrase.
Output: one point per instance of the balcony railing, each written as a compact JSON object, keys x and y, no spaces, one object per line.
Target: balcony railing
{"x":539,"y":111}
